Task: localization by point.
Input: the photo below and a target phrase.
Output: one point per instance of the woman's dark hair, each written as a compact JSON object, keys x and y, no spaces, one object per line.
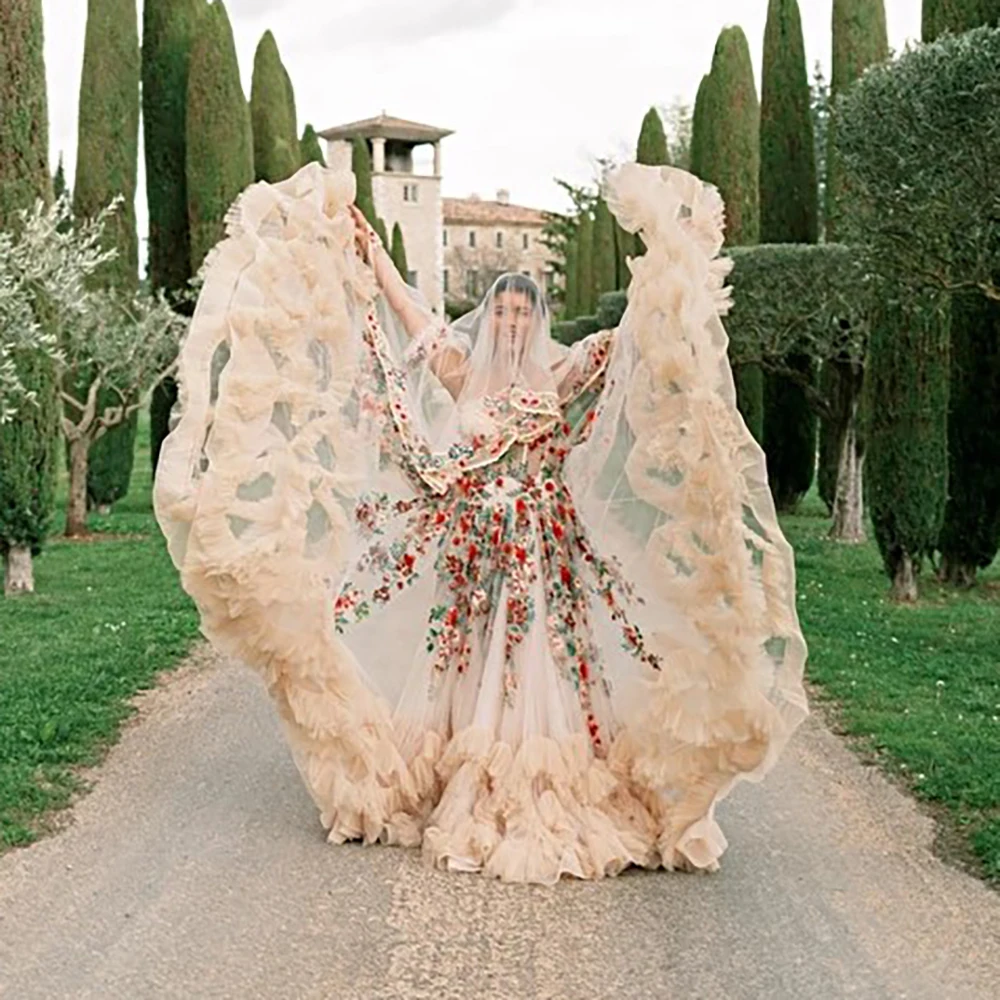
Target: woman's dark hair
{"x":520,"y":283}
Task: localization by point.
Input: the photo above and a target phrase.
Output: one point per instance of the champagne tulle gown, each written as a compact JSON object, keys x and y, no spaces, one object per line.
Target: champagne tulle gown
{"x":525,"y":606}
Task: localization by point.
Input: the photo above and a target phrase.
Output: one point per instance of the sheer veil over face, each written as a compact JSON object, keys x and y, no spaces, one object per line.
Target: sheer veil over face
{"x":491,"y":379}
{"x":507,"y":341}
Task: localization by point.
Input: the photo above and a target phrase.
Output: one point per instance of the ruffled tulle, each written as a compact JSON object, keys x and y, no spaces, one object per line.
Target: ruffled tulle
{"x":257,"y":488}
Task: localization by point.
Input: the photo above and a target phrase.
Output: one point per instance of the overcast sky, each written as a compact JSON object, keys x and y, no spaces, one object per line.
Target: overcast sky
{"x":533,"y":89}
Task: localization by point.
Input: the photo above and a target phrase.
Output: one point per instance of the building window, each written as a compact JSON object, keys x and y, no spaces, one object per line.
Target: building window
{"x":411,"y":278}
{"x":444,"y":280}
{"x":472,"y":282}
{"x":410,"y":192}
{"x":499,"y":240}
{"x":527,"y":274}
{"x":525,"y":241}
{"x":472,"y":238}
{"x":444,"y":237}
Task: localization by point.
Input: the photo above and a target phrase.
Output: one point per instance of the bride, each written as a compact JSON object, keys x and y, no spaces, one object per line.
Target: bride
{"x":525,"y":606}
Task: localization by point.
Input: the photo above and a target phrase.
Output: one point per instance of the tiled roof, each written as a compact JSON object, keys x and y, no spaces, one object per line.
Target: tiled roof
{"x":474,"y":212}
{"x":386,"y":127}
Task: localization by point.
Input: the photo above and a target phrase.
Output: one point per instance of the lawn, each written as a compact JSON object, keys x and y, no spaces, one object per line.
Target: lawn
{"x":107,"y":616}
{"x":917,"y":688}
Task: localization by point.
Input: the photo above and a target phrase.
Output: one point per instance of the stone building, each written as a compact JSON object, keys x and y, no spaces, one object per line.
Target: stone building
{"x":402,"y":193}
{"x":455,"y":247}
{"x":483,"y":239}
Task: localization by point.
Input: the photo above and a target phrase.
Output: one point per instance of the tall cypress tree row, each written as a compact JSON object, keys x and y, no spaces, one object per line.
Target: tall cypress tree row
{"x":106,"y":167}
{"x":310,"y":150}
{"x":29,"y":442}
{"x":789,"y":213}
{"x":605,"y":262}
{"x":219,"y":164}
{"x":970,"y":534}
{"x":398,"y":251}
{"x":168,"y":29}
{"x":728,"y":153}
{"x":652,"y":146}
{"x":860,"y":40}
{"x":585,"y":302}
{"x":275,"y":137}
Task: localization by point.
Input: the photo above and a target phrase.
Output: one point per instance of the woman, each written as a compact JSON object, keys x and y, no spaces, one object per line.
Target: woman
{"x":524,"y":605}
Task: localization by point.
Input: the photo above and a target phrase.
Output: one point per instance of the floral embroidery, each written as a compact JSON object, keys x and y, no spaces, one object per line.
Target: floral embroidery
{"x":501,"y":528}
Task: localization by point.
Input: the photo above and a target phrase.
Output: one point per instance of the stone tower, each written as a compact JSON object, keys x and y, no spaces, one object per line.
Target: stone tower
{"x":401,"y":195}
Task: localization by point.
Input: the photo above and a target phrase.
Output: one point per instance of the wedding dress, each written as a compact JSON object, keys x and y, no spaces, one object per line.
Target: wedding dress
{"x":525,"y":606}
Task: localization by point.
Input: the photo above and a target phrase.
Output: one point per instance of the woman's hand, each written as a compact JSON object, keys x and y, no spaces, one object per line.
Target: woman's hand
{"x":362,"y":240}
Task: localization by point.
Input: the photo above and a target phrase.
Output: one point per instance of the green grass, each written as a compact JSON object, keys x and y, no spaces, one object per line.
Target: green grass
{"x":918,"y":687}
{"x":108,"y":614}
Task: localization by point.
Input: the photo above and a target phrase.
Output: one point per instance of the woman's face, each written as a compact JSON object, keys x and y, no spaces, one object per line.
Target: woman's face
{"x":513,"y":315}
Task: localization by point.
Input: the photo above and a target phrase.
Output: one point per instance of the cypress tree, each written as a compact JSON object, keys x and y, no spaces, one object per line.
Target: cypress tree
{"x":108,"y":132}
{"x":106,"y":167}
{"x":571,"y":307}
{"x":906,"y":385}
{"x":789,"y":213}
{"x":732,"y":157}
{"x":860,"y":40}
{"x":28,"y":443}
{"x":59,"y":189}
{"x":398,"y":252}
{"x":24,"y":129}
{"x":168,"y":29}
{"x":625,"y":247}
{"x":59,"y":180}
{"x":701,"y":124}
{"x":219,"y":151}
{"x":361,"y":164}
{"x":605,"y":261}
{"x":293,"y":114}
{"x":651,"y":150}
{"x":309,"y":147}
{"x":957,"y":16}
{"x":652,"y":146}
{"x":970,"y":534}
{"x":275,"y":139}
{"x":788,"y":187}
{"x":585,"y":301}
{"x":383,"y":234}
{"x":728,"y":150}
